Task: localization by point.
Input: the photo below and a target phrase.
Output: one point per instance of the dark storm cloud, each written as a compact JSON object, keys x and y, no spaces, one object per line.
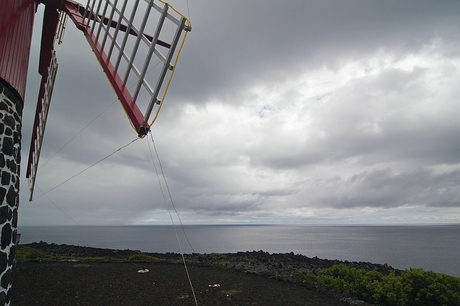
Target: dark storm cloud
{"x":240,"y":42}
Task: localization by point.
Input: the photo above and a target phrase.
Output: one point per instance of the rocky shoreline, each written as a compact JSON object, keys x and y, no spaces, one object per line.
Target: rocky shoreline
{"x":280,"y":269}
{"x":283,"y":267}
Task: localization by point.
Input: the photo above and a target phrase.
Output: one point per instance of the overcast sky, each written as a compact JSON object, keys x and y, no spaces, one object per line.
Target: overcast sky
{"x":304,"y":112}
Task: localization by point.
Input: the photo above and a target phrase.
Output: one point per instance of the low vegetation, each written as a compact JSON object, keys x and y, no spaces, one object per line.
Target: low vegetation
{"x":217,"y":256}
{"x":412,"y":287}
{"x":218,"y":260}
{"x":409,"y":287}
{"x":140,"y":257}
{"x":25,"y":253}
{"x":79,"y":266}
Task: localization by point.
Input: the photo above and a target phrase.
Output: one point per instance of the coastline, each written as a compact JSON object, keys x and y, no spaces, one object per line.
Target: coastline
{"x":93,"y":276}
{"x":432,"y":248}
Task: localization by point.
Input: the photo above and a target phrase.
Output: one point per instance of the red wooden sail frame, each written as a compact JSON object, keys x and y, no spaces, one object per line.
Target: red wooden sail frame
{"x":81,"y":17}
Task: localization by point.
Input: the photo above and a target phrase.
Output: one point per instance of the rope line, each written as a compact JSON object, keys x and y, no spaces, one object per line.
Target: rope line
{"x":169,"y":192}
{"x":46,"y":196}
{"x":87,"y":168}
{"x":75,"y":136}
{"x":97,"y":117}
{"x":170,"y":215}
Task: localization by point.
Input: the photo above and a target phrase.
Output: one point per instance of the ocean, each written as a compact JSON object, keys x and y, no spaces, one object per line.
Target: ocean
{"x":430,"y":247}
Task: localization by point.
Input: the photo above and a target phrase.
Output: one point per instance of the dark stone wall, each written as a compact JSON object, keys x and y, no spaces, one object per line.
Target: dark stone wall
{"x":10,"y":160}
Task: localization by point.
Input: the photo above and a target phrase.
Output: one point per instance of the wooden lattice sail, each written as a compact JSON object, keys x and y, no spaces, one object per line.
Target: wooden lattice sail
{"x":137,"y":43}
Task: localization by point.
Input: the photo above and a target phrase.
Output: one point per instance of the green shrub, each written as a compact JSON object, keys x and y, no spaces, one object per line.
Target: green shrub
{"x":430,"y":288}
{"x":387,"y":289}
{"x":413,"y":287}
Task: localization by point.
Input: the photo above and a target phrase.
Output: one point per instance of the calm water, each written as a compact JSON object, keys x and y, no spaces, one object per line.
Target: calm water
{"x":431,"y":247}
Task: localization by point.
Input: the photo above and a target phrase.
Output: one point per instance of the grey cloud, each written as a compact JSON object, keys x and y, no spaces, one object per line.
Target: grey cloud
{"x":389,"y":188}
{"x":241,"y":42}
{"x":395,"y":126}
{"x":389,"y":102}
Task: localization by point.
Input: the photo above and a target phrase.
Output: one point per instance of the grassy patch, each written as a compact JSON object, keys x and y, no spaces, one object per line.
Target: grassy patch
{"x":97,"y":259}
{"x":218,"y":260}
{"x":143,"y":258}
{"x":24,"y":253}
{"x":81,"y":265}
{"x":216,"y":256}
{"x":219,"y":265}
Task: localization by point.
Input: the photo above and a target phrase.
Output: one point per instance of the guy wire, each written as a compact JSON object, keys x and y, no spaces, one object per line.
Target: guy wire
{"x":169,"y":211}
{"x":87,"y":168}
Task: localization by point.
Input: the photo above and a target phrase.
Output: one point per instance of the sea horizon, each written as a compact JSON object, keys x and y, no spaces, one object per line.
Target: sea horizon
{"x":428,"y":246}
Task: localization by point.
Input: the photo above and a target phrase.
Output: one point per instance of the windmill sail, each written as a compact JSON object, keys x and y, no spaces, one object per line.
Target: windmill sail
{"x":137,"y":43}
{"x":47,"y":69}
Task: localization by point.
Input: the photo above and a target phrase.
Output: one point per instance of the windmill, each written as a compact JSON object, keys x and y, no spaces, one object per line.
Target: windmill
{"x":136,"y":42}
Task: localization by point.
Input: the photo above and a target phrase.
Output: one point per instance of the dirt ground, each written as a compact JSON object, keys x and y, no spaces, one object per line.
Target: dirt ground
{"x":72,"y":283}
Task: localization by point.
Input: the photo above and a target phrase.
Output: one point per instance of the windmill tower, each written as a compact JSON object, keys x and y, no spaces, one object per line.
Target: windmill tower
{"x":137,"y":44}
